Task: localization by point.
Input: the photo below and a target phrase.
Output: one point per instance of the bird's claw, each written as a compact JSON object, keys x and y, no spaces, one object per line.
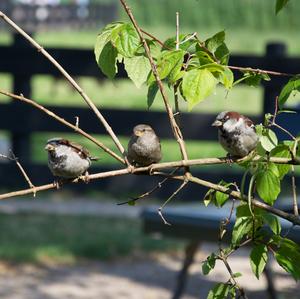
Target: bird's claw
{"x":229,"y":159}
{"x":85,"y":178}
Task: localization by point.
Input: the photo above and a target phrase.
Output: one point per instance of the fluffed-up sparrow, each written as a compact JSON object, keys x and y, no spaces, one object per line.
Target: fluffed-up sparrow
{"x":67,"y":159}
{"x":237,"y":133}
{"x":144,"y":146}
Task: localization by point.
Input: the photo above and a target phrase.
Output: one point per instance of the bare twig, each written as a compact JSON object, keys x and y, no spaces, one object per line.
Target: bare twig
{"x":260,"y":71}
{"x":15,"y":159}
{"x":160,"y":209}
{"x":234,"y":281}
{"x":21,"y":168}
{"x":176,"y":130}
{"x":155,"y":38}
{"x":177,"y":31}
{"x":61,"y":120}
{"x":148,"y":193}
{"x":293,"y":151}
{"x":68,"y":78}
{"x":235,"y":194}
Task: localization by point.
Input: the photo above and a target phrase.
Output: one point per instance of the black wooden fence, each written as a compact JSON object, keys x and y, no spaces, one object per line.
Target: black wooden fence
{"x":21,"y":120}
{"x":33,"y":17}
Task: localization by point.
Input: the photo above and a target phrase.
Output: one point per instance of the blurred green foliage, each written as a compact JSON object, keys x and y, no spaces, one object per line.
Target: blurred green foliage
{"x":64,"y":239}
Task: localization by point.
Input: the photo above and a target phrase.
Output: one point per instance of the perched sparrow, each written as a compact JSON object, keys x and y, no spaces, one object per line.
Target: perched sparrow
{"x":236,"y":133}
{"x":144,"y":146}
{"x":67,"y":159}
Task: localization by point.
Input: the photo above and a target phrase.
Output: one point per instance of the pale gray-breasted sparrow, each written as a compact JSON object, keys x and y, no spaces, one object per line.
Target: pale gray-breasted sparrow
{"x":67,"y":159}
{"x":144,"y":146}
{"x":237,"y":133}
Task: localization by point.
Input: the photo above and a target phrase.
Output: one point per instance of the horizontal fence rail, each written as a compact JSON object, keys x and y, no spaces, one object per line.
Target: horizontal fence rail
{"x":21,"y":120}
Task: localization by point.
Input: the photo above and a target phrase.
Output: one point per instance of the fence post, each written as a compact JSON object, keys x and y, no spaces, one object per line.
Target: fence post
{"x":21,"y":84}
{"x":273,"y":87}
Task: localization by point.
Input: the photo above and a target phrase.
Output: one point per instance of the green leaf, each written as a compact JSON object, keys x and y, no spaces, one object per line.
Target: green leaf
{"x":137,"y":68}
{"x":170,"y":43}
{"x":254,"y":79}
{"x":152,"y":91}
{"x":280,"y":4}
{"x":292,"y":86}
{"x":222,"y":54}
{"x":209,"y":264}
{"x":197,"y":85}
{"x":237,"y":275}
{"x":169,"y":62}
{"x":203,"y":57}
{"x":268,"y":186}
{"x":228,"y":78}
{"x":258,"y":259}
{"x":282,"y":151}
{"x":209,"y":196}
{"x":104,"y":37}
{"x":288,"y":255}
{"x":221,"y":198}
{"x":220,"y":291}
{"x":125,"y":39}
{"x":217,"y":46}
{"x":107,"y":60}
{"x":273,"y":222}
{"x":268,"y":139}
{"x":242,"y":226}
{"x":214,"y":42}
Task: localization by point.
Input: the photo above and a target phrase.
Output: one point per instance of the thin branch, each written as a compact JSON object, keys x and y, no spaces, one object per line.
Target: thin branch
{"x":166,"y":165}
{"x":15,"y":159}
{"x":294,"y":150}
{"x":154,"y":38}
{"x":148,"y":193}
{"x":68,"y":78}
{"x":61,"y":120}
{"x":177,"y":31}
{"x":53,"y":185}
{"x":290,"y":217}
{"x":160,"y":209}
{"x":235,"y":283}
{"x":260,"y":71}
{"x":176,"y":130}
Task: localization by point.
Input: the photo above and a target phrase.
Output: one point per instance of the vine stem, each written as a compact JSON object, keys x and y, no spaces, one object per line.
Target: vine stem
{"x":66,"y":75}
{"x":176,"y":130}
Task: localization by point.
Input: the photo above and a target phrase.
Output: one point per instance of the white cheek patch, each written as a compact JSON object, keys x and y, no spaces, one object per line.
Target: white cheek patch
{"x":231,"y":124}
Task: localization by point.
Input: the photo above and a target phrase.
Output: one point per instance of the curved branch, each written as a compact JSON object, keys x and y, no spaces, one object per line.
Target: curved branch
{"x":235,"y":194}
{"x":68,"y":77}
{"x":63,"y":121}
{"x":175,"y":128}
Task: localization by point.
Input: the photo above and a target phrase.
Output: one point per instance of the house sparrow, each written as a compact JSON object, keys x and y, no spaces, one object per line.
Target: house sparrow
{"x":67,"y":159}
{"x":237,"y":133}
{"x":144,"y":146}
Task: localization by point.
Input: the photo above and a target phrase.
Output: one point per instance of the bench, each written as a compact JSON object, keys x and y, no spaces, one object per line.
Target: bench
{"x":196,"y":224}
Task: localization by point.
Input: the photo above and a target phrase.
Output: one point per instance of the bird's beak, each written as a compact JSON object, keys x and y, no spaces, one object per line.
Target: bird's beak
{"x":138,"y":133}
{"x":49,"y":147}
{"x":217,"y":123}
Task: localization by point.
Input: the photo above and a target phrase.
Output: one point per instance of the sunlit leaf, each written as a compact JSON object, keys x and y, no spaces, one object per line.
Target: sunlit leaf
{"x":197,"y":85}
{"x":258,"y":259}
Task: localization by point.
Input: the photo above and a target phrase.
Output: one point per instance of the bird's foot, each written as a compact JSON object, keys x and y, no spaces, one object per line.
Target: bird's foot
{"x":85,"y":178}
{"x":58,"y":182}
{"x":229,"y":159}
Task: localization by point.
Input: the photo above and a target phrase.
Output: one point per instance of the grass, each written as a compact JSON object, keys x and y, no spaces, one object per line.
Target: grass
{"x":65,"y":239}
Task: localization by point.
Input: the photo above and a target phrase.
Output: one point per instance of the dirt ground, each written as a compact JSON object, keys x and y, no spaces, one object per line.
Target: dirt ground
{"x":147,"y":277}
